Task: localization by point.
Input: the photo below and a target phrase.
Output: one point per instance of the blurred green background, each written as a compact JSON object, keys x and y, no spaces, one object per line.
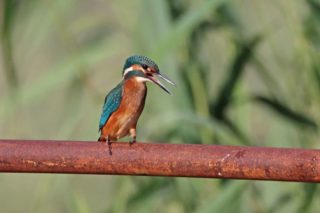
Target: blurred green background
{"x":248,"y":73}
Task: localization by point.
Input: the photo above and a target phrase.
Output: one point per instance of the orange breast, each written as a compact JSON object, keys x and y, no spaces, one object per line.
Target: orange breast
{"x":129,"y":111}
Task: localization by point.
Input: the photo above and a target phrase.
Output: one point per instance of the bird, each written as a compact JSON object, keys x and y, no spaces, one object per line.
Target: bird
{"x":124,"y":104}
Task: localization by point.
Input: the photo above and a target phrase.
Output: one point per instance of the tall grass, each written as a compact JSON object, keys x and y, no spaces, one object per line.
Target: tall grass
{"x":247,"y":73}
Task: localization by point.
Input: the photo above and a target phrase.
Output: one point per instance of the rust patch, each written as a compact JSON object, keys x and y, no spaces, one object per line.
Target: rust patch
{"x":240,"y":153}
{"x":267,"y":171}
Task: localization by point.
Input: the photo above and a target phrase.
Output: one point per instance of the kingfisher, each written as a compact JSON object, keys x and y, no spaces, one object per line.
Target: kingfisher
{"x":124,"y":104}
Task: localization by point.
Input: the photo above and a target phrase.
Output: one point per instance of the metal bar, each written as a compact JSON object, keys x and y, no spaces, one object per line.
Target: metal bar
{"x":176,"y":160}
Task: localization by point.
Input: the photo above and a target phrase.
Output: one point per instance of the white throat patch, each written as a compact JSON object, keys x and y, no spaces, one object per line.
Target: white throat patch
{"x":142,"y":79}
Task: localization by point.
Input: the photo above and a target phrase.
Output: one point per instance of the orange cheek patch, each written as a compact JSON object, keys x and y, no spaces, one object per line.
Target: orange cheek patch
{"x":137,"y":67}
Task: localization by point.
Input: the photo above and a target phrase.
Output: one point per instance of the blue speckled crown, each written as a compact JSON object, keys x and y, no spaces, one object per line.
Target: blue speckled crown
{"x":140,"y":59}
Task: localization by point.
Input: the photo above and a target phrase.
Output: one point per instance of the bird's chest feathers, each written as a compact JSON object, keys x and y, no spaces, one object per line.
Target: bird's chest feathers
{"x":133,"y":99}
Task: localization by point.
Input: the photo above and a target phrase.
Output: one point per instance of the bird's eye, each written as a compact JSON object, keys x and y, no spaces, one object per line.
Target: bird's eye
{"x":144,"y":66}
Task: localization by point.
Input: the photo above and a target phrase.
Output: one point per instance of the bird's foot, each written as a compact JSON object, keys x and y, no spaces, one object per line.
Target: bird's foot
{"x":132,"y":141}
{"x":104,"y":139}
{"x":110,"y":148}
{"x":109,"y":145}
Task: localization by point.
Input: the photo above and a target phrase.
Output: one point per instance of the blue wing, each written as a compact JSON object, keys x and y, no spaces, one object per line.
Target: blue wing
{"x":111,"y":104}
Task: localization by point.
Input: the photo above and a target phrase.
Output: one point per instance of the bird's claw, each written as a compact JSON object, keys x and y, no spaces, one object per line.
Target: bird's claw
{"x":132,"y":141}
{"x":109,"y":145}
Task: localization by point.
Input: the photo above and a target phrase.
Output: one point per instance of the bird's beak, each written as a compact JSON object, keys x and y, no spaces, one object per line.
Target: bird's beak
{"x":156,"y":81}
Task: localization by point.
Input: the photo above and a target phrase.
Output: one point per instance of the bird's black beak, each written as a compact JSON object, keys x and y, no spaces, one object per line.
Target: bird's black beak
{"x":156,"y":81}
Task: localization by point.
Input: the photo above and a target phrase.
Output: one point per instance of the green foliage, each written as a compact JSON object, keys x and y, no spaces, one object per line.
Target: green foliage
{"x":247,"y":73}
{"x":286,"y":112}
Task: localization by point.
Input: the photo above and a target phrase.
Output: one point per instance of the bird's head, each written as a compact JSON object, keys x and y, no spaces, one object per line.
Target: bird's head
{"x":144,"y":69}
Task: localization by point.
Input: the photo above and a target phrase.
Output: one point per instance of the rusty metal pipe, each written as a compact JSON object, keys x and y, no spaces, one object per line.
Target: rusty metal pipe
{"x":176,"y":160}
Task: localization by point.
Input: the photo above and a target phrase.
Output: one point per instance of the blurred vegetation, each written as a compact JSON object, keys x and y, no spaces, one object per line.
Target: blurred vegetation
{"x":248,"y":73}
